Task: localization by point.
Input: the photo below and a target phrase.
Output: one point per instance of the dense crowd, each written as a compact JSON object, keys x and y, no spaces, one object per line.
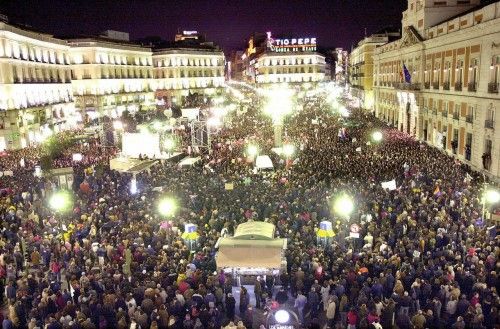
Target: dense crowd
{"x":425,"y":259}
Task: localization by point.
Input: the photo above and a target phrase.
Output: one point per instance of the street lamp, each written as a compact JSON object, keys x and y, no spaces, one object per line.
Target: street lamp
{"x":278,"y":106}
{"x":377,"y":136}
{"x":252,"y":150}
{"x":288,"y":150}
{"x":343,"y":205}
{"x":60,"y":201}
{"x":490,"y":197}
{"x":167,"y":207}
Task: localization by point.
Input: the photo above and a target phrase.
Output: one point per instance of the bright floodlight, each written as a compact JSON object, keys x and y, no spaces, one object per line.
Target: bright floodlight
{"x":252,"y":150}
{"x":60,"y":201}
{"x":118,"y":125}
{"x":492,"y":196}
{"x":133,"y":186}
{"x":167,"y":207}
{"x":377,"y":136}
{"x":343,"y":205}
{"x":279,"y":103}
{"x":169,"y":144}
{"x":282,"y":316}
{"x":288,"y":150}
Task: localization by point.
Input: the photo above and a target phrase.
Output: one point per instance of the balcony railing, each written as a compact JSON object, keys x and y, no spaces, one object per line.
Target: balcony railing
{"x":458,"y":86}
{"x":434,"y":111}
{"x":427,"y":85}
{"x":493,"y":87}
{"x":435,"y":85}
{"x":469,"y":118}
{"x":489,"y":124}
{"x":407,"y":86}
{"x":456,"y":116}
{"x":446,"y":86}
{"x":472,"y":86}
{"x":444,"y":114}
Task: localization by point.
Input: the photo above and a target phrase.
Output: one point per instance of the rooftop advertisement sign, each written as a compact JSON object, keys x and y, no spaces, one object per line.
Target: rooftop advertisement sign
{"x":290,"y":45}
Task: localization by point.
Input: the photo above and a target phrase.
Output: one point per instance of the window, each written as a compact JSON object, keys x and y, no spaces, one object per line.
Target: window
{"x":468,"y":146}
{"x":447,"y":66}
{"x":459,"y":71}
{"x":473,"y":70}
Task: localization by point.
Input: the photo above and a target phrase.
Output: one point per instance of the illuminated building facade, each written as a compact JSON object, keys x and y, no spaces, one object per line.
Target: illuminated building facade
{"x":184,"y":70}
{"x":279,"y":60}
{"x":49,"y":84}
{"x":110,"y":76}
{"x":36,"y":96}
{"x":439,"y":82}
{"x":361,"y":67}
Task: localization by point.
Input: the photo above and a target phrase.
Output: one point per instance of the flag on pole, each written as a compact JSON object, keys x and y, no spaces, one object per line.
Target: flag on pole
{"x":407,"y":74}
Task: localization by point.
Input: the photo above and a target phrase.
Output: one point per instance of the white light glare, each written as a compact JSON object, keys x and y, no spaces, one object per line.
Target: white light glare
{"x":344,"y":206}
{"x":133,"y":186}
{"x":492,"y":196}
{"x":282,"y":316}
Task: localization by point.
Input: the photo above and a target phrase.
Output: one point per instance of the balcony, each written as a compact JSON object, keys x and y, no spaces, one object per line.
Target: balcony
{"x":458,"y":86}
{"x":472,"y":86}
{"x":456,"y":116}
{"x":490,"y":124}
{"x":435,"y":85}
{"x":444,"y":114}
{"x":469,"y":118}
{"x":434,"y":111}
{"x":493,"y":87}
{"x":427,"y":85}
{"x":406,"y":86}
{"x":446,"y":86}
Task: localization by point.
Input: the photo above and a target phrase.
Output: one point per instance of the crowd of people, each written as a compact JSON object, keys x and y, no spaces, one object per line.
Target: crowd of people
{"x":425,"y":257}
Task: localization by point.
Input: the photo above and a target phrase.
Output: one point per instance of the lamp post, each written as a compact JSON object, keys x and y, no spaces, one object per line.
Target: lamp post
{"x":278,"y":106}
{"x":490,"y":196}
{"x":252,"y":151}
{"x":288,"y":150}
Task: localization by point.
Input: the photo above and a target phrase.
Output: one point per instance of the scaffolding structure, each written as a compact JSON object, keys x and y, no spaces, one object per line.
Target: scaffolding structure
{"x":200,"y":134}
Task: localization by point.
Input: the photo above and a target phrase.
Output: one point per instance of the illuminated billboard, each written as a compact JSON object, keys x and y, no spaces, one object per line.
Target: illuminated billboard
{"x":290,"y":45}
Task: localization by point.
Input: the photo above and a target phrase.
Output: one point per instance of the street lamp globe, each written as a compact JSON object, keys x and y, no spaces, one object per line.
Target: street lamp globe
{"x":60,"y":201}
{"x":343,"y":206}
{"x":167,"y":207}
{"x":377,"y":136}
{"x":282,"y":316}
{"x":492,"y":196}
{"x":252,"y":150}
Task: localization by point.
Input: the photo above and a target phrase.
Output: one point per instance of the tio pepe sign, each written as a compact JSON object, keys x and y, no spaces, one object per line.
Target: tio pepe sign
{"x":290,"y":45}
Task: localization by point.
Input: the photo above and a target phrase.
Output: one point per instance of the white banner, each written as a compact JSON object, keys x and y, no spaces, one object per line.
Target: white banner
{"x":390,"y":185}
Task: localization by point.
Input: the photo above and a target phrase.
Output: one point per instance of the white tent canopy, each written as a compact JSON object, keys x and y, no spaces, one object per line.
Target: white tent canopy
{"x":253,"y":249}
{"x":264,"y":162}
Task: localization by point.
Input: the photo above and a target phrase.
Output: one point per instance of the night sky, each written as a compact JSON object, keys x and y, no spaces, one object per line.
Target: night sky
{"x":335,"y":23}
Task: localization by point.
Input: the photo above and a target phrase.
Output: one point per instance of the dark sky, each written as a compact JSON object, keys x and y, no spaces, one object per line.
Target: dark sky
{"x":335,"y":23}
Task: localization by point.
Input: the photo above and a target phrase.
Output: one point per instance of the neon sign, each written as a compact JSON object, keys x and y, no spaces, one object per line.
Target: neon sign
{"x":290,"y":45}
